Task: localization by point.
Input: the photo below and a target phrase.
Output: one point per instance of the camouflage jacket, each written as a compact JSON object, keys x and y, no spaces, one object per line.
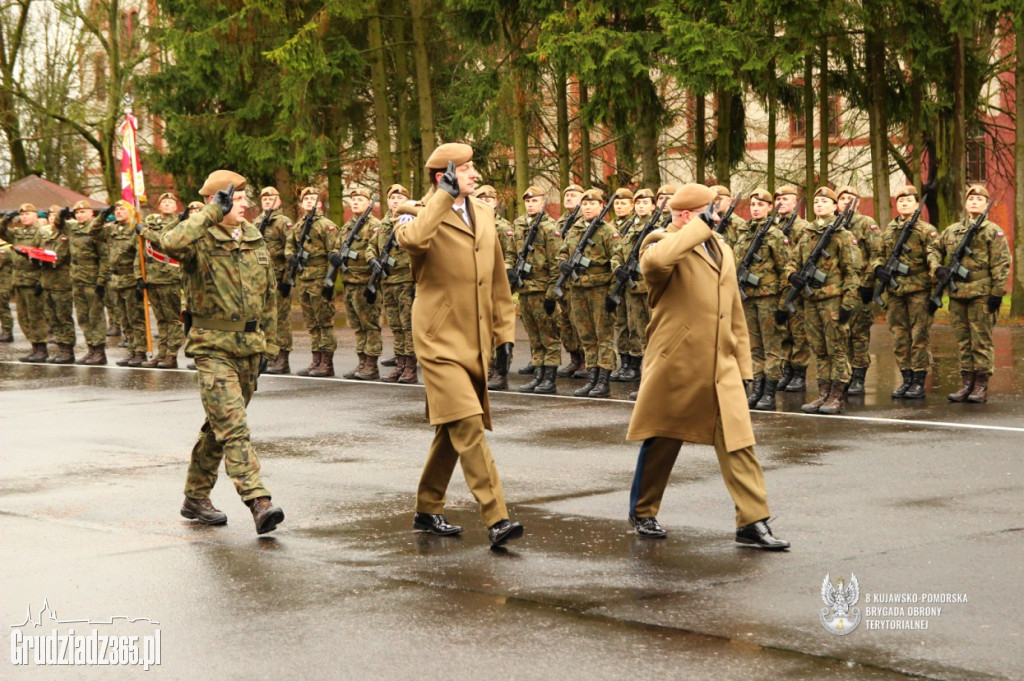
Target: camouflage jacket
{"x":796,"y":232}
{"x":543,"y":258}
{"x":158,"y":272}
{"x":603,"y":253}
{"x":56,"y":276}
{"x":229,"y":285}
{"x":122,"y":245}
{"x":869,"y":239}
{"x":914,"y":256}
{"x":358,"y":272}
{"x":773,"y":254}
{"x":323,"y":238}
{"x":504,"y":229}
{"x":276,"y":231}
{"x":842,"y":268}
{"x":989,"y":261}
{"x":88,"y":251}
{"x":732,"y":230}
{"x":624,"y":224}
{"x":401,"y":271}
{"x":26,"y":272}
{"x":626,"y":247}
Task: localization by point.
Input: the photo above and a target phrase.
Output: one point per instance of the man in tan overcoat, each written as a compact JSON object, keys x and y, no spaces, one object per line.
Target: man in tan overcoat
{"x":463,"y":308}
{"x":698,"y":356}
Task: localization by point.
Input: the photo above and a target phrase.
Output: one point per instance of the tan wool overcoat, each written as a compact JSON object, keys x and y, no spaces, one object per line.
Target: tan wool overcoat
{"x":463,"y":305}
{"x":698,"y":350}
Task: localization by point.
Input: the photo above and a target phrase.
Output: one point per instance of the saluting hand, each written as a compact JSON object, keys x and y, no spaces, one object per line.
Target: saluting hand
{"x":225,"y":198}
{"x":449,"y":182}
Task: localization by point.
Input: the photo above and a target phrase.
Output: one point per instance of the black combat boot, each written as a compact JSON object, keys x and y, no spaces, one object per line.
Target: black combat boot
{"x":633,"y":395}
{"x":312,"y":365}
{"x":798,"y":383}
{"x":532,"y":385}
{"x":547,"y":384}
{"x":901,"y":389}
{"x":834,"y":403}
{"x":916,"y":389}
{"x":756,"y":390}
{"x":632,"y":371}
{"x":575,"y":362}
{"x":824,"y":388}
{"x":767,"y":401}
{"x":856,"y":386}
{"x":966,"y":385}
{"x":526,"y":370}
{"x":601,"y":388}
{"x":980,"y":391}
{"x":623,"y":364}
{"x":591,"y":382}
{"x":787,"y":375}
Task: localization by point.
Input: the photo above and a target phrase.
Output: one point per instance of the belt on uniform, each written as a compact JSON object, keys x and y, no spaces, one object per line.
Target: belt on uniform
{"x":319,"y":260}
{"x":978,"y":276}
{"x":916,"y":271}
{"x":125,"y":270}
{"x":226,"y":324}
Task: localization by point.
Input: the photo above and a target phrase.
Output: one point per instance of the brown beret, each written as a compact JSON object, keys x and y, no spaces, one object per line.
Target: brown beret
{"x":455,"y":152}
{"x":269,"y":191}
{"x":593,"y":194}
{"x":761,"y":195}
{"x":195,"y":205}
{"x":485,"y":191}
{"x":572,"y":188}
{"x":977,"y":190}
{"x":787,"y":189}
{"x":221,"y":179}
{"x":692,"y":196}
{"x":310,"y":190}
{"x":397,"y":189}
{"x":644,"y":193}
{"x":722,"y":190}
{"x":532,"y":192}
{"x":667,"y":190}
{"x":26,"y":208}
{"x":909,"y":190}
{"x":360,"y":191}
{"x":167,"y":195}
{"x":54,"y":208}
{"x":82,"y":205}
{"x":826,"y":192}
{"x":847,"y":189}
{"x":623,"y":193}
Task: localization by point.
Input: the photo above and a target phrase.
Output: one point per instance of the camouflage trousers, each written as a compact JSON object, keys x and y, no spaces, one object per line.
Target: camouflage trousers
{"x":58,"y":309}
{"x":134,"y":326}
{"x":6,"y":286}
{"x":226,"y":385}
{"x":364,"y":317}
{"x":115,"y":312}
{"x":89,"y":312}
{"x":318,"y":315}
{"x":794,"y":342}
{"x":911,"y":326}
{"x":623,"y":334}
{"x":972,"y":329}
{"x":165,"y":299}
{"x":398,"y":307}
{"x":861,"y":319}
{"x":566,"y":331}
{"x":284,"y":322}
{"x":594,"y":324}
{"x":30,"y":314}
{"x":638,"y":316}
{"x":765,"y":336}
{"x":542,"y":330}
{"x":828,"y":339}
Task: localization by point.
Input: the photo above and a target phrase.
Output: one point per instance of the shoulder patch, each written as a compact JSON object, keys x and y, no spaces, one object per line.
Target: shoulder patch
{"x":785,"y":241}
{"x":404,"y":218}
{"x":330,"y":228}
{"x":872,"y":226}
{"x":509,"y":233}
{"x":853,"y":241}
{"x":933,"y":235}
{"x":558,"y":234}
{"x":1001,"y":234}
{"x":375,"y":229}
{"x":615,"y":236}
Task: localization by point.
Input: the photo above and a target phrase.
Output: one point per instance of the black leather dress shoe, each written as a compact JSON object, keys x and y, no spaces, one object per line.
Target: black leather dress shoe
{"x":647,"y":527}
{"x":759,"y":536}
{"x":435,"y":524}
{"x":504,"y":531}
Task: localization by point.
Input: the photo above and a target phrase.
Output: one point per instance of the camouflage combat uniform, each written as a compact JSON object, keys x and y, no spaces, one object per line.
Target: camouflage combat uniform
{"x":88,"y":251}
{"x":163,"y":284}
{"x":363,"y":316}
{"x":317,"y":312}
{"x":732,"y":230}
{"x":869,"y":237}
{"x":795,"y":351}
{"x":6,"y":286}
{"x":55,"y":279}
{"x":762,"y":300}
{"x":567,"y":333}
{"x":541,"y":328}
{"x":276,"y":231}
{"x":24,"y":278}
{"x":397,"y":287}
{"x":638,"y":310}
{"x":119,"y":269}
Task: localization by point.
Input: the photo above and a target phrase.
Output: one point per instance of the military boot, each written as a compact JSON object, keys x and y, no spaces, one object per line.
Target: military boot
{"x":136,"y":359}
{"x":496,"y":381}
{"x":824,"y":388}
{"x":857,"y":381}
{"x":966,"y":385}
{"x":6,"y":336}
{"x":65,"y":354}
{"x":391,"y":361}
{"x":39,"y":354}
{"x":266,"y":516}
{"x":633,"y":395}
{"x":798,"y":383}
{"x":623,"y":365}
{"x":369,"y":372}
{"x":397,"y":373}
{"x":756,"y":390}
{"x":204,"y":511}
{"x":113,"y":332}
{"x":901,"y":389}
{"x":575,"y":362}
{"x":547,"y":383}
{"x":312,"y":365}
{"x":916,"y":389}
{"x":152,"y":363}
{"x":88,"y":356}
{"x":359,"y":367}
{"x":526,"y":370}
{"x":97,"y":356}
{"x":591,"y":382}
{"x":532,"y":385}
{"x":280,"y":364}
{"x":787,"y":375}
{"x":834,"y":403}
{"x":168,"y":361}
{"x":767,"y":401}
{"x":980,"y":391}
{"x":326,"y":367}
{"x":601,"y":388}
{"x":631,"y":372}
{"x":409,"y":373}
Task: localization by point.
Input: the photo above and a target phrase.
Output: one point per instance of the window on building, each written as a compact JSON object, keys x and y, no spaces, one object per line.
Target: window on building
{"x":99,"y":69}
{"x":834,"y":120}
{"x":796,"y":125}
{"x":975,"y":149}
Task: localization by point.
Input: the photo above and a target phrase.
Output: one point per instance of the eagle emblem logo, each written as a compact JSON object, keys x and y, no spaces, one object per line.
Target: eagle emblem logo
{"x":840,"y":617}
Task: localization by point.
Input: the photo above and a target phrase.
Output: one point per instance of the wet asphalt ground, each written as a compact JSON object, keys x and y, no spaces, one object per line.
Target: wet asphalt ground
{"x":921,"y":502}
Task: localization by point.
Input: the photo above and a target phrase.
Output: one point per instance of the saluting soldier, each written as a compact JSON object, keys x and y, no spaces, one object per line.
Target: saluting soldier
{"x":120,"y":269}
{"x":829,"y":305}
{"x":906,"y":295}
{"x":363,"y":316}
{"x":692,"y":384}
{"x":723,"y":199}
{"x":276,"y":228}
{"x":567,"y":333}
{"x":88,"y":251}
{"x":536,"y":298}
{"x":795,"y":351}
{"x":55,"y":278}
{"x":767,"y":269}
{"x":23,"y":230}
{"x":317,"y":313}
{"x":588,"y":292}
{"x":634,"y":303}
{"x":869,"y":237}
{"x":6,"y":282}
{"x":163,"y":283}
{"x":974,"y":306}
{"x":503,"y":228}
{"x":622,"y":206}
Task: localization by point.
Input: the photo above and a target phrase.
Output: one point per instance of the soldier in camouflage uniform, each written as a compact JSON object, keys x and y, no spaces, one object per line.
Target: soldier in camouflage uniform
{"x":55,"y":278}
{"x":276,"y":228}
{"x":88,"y":251}
{"x":634,"y":303}
{"x":363,"y":316}
{"x":6,"y":286}
{"x":762,"y":298}
{"x":577,"y":366}
{"x":316,"y":312}
{"x":396,"y":286}
{"x":622,"y":206}
{"x":974,"y":306}
{"x":119,"y":269}
{"x":587,"y":294}
{"x":906,"y":295}
{"x":234,"y":319}
{"x":828,"y":307}
{"x":22,"y":230}
{"x":536,"y":299}
{"x":163,"y":284}
{"x":503,"y":228}
{"x":722,"y":203}
{"x":795,"y":351}
{"x":869,"y":239}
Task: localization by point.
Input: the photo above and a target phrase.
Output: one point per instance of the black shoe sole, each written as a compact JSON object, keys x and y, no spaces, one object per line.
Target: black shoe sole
{"x":514,"y":533}
{"x":748,"y":544}
{"x":185,"y":513}
{"x":422,"y":527}
{"x":271,"y":522}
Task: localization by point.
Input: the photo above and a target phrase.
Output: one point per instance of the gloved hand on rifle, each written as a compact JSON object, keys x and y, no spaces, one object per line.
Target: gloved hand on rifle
{"x":781,"y":317}
{"x":549,"y":306}
{"x":941,"y":273}
{"x":866,"y":294}
{"x":882,"y":275}
{"x":334,"y":257}
{"x":621,"y":273}
{"x":993,"y":304}
{"x":449,"y":182}
{"x":140,"y":288}
{"x":378,"y":267}
{"x":797,"y":280}
{"x":225,"y":198}
{"x":503,"y":359}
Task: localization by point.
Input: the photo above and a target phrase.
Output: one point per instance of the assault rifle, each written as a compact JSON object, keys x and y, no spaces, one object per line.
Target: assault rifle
{"x":743,"y":273}
{"x":724,"y":222}
{"x":301,"y":256}
{"x":632,"y":264}
{"x":810,"y":273}
{"x":628,"y":226}
{"x":577,"y":259}
{"x":523,"y":268}
{"x":956,"y":266}
{"x":893,"y":267}
{"x":263,"y":221}
{"x":346,"y":252}
{"x":787,"y":226}
{"x":386,"y":263}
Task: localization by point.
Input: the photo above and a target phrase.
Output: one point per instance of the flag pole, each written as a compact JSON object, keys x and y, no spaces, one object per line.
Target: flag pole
{"x":134,"y":187}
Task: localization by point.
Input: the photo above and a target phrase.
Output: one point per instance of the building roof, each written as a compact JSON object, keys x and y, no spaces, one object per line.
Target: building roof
{"x":42,"y":194}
